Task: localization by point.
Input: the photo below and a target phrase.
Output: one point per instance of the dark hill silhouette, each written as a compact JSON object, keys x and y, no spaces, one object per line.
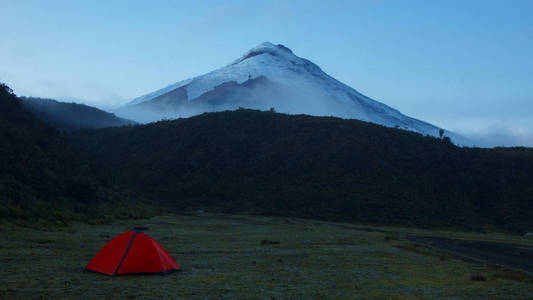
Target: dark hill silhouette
{"x":43,"y":179}
{"x":317,"y":167}
{"x":262,"y":163}
{"x":72,"y":116}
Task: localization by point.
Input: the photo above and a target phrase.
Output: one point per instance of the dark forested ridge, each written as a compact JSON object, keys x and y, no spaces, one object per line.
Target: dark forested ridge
{"x":71,"y":116}
{"x":42,"y":179}
{"x":316,"y":167}
{"x":258,"y":162}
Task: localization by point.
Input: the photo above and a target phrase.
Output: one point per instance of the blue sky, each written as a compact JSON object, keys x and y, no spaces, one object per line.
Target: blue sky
{"x":464,"y":65}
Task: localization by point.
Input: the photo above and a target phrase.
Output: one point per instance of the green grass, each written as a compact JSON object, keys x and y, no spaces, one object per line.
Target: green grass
{"x":222,"y":257}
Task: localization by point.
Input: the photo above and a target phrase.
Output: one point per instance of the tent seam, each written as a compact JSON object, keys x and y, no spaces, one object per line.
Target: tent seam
{"x":126,"y":252}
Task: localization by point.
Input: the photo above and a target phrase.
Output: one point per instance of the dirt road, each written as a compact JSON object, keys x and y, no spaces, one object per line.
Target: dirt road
{"x":503,"y":254}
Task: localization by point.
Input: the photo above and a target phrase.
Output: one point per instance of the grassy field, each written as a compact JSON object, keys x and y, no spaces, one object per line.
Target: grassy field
{"x":222,"y":257}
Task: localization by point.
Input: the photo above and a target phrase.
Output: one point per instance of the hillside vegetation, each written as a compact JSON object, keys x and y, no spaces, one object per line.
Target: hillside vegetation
{"x":71,"y":116}
{"x":43,"y":180}
{"x":316,"y":167}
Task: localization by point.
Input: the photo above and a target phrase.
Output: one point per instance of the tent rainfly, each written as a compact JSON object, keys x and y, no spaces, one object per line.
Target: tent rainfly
{"x":132,"y":252}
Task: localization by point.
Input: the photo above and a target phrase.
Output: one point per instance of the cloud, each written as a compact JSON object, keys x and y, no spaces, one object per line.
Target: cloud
{"x":509,"y":127}
{"x":501,"y":135}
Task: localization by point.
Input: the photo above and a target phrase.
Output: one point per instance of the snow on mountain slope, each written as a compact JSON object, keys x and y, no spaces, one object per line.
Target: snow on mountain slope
{"x":158,"y":92}
{"x":270,"y":76}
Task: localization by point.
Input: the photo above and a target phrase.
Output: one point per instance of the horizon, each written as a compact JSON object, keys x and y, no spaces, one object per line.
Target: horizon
{"x":464,"y":67}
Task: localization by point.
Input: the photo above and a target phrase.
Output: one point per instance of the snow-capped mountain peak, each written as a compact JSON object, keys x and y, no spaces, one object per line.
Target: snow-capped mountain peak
{"x":270,"y":49}
{"x":266,"y":76}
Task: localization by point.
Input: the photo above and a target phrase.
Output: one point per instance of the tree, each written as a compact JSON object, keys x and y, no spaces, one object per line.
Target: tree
{"x":5,"y":88}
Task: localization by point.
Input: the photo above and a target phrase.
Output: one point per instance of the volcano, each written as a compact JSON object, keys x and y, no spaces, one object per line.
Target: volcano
{"x":271,"y":77}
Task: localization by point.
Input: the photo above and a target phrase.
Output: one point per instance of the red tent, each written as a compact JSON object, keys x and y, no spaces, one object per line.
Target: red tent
{"x":132,"y":252}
